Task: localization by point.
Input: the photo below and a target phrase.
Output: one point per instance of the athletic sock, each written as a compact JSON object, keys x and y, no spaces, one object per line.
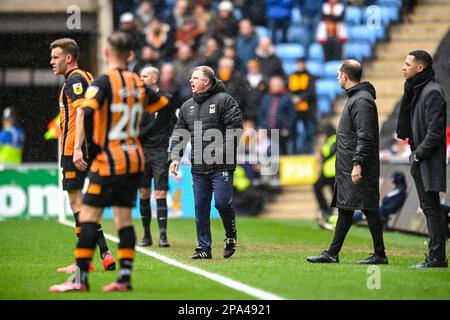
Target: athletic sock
{"x":146,"y":215}
{"x":85,"y":250}
{"x":161,"y":205}
{"x":77,"y":223}
{"x":127,"y":242}
{"x":101,"y":241}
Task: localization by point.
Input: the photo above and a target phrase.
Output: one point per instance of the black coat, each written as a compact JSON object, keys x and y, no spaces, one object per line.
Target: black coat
{"x":216,"y":110}
{"x":427,"y":137}
{"x":357,"y":141}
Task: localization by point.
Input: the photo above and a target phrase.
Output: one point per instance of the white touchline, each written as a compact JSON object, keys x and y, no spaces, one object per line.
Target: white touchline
{"x":233,"y":284}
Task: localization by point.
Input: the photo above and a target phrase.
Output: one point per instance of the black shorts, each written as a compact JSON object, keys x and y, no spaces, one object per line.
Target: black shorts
{"x":117,"y":191}
{"x":157,"y":168}
{"x":73,"y":179}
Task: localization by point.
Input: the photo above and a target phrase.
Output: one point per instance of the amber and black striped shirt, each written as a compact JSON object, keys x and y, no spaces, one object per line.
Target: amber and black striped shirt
{"x":118,"y":99}
{"x":70,"y":98}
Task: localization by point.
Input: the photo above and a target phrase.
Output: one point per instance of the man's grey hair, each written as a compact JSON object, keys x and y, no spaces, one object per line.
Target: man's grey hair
{"x":151,"y":70}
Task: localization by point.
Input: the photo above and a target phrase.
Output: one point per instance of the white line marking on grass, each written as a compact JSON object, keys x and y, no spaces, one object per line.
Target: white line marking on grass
{"x":233,"y":284}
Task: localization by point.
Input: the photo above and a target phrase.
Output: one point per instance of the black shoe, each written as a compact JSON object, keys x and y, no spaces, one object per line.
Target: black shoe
{"x":146,"y":242}
{"x":230,"y":247}
{"x":163,"y":243}
{"x":324,"y":257}
{"x":431,"y":263}
{"x":373,"y":259}
{"x":201,"y":253}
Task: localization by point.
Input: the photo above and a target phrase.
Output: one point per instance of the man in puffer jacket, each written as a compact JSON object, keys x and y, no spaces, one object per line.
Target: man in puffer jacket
{"x":210,"y":115}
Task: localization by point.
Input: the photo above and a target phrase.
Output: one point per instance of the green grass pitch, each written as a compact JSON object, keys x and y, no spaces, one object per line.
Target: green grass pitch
{"x":270,"y":256}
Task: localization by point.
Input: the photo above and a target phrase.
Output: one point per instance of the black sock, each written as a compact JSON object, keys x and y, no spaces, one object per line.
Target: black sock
{"x":77,"y":223}
{"x":127,"y":242}
{"x":101,"y":241}
{"x":85,"y":250}
{"x":229,"y":223}
{"x":146,"y":215}
{"x":161,"y":205}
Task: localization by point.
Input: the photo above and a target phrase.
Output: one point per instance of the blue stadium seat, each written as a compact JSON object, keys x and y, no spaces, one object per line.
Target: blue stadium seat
{"x":262,"y":31}
{"x":289,"y":67}
{"x":393,"y":12}
{"x":315,"y":52}
{"x":327,"y":88}
{"x":392,"y":3}
{"x":324,"y":107}
{"x":296,"y":17}
{"x":296,"y":33}
{"x":373,"y":13}
{"x":353,"y":15}
{"x":331,"y":68}
{"x":362,"y":33}
{"x":357,"y":50}
{"x":289,"y":51}
{"x":315,"y":68}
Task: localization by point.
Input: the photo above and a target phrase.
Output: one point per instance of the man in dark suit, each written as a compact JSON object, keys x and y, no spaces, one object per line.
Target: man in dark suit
{"x":422,"y":119}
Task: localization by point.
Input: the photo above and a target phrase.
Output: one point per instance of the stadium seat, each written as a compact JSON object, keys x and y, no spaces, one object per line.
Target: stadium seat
{"x":353,"y":15}
{"x":289,"y":67}
{"x":362,"y":33}
{"x":331,"y":68}
{"x":324,"y":107}
{"x":262,"y":31}
{"x":357,"y":50}
{"x":315,"y":52}
{"x":392,"y":3}
{"x":290,"y":51}
{"x":327,"y":88}
{"x":296,"y":33}
{"x":296,"y":17}
{"x":315,"y":68}
{"x":373,"y":15}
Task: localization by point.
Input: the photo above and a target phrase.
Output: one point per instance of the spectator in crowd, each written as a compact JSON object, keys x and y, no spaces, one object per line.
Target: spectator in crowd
{"x":183,"y":66}
{"x":225,"y":25}
{"x":203,"y":18}
{"x":279,"y":16}
{"x":398,"y":151}
{"x":128,"y":25}
{"x":270,"y":64}
{"x":180,"y":12}
{"x":169,"y":84}
{"x":332,"y":31}
{"x":310,"y":11}
{"x":159,"y":36}
{"x":230,"y":52}
{"x":188,"y":34}
{"x":144,"y":14}
{"x":255,"y":11}
{"x":11,"y":139}
{"x":327,"y":172}
{"x":392,"y":202}
{"x":149,"y":57}
{"x":256,"y":87}
{"x":234,"y":83}
{"x":277,"y":112}
{"x":211,"y":53}
{"x":303,"y":91}
{"x":246,"y":42}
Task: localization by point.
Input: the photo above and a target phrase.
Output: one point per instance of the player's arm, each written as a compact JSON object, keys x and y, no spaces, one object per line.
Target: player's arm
{"x":155,"y":101}
{"x":93,"y":100}
{"x":75,"y":89}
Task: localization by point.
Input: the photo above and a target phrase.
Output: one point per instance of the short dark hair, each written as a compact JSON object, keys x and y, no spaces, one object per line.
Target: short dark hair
{"x":68,"y":46}
{"x":422,"y":57}
{"x":120,"y":42}
{"x":352,"y":70}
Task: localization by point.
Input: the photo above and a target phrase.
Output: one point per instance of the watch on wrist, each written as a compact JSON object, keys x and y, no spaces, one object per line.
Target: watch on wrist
{"x":415,"y":158}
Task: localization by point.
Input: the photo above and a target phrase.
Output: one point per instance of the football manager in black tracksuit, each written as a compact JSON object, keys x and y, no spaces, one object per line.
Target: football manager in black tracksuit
{"x":214,"y":109}
{"x":357,"y":165}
